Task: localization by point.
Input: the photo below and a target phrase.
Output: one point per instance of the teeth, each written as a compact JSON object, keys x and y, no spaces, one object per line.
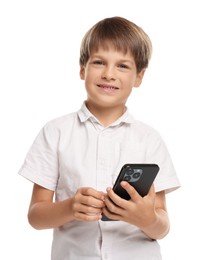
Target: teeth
{"x":105,"y":87}
{"x":109,"y":87}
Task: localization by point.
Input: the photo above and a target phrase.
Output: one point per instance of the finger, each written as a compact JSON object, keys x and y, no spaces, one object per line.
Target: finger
{"x":110,"y":214}
{"x":92,"y":192}
{"x":87,"y":209}
{"x":87,"y":217}
{"x":114,"y":200}
{"x":86,"y":213}
{"x":130,"y":190}
{"x":91,"y":201}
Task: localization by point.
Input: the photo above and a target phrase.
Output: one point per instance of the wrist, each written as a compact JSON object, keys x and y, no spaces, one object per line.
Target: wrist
{"x":159,"y":225}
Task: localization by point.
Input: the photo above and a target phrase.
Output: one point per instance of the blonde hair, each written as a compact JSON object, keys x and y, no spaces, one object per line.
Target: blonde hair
{"x":123,"y":34}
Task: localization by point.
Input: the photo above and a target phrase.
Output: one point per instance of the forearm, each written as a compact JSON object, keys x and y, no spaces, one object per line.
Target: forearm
{"x":159,"y":228}
{"x":45,"y":215}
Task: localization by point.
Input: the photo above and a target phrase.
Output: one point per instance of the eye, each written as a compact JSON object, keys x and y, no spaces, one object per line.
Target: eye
{"x":98,"y":62}
{"x":123,"y":66}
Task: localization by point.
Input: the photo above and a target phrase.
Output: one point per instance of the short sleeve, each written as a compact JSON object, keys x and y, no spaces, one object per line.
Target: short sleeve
{"x":158,"y":153}
{"x":41,"y":163}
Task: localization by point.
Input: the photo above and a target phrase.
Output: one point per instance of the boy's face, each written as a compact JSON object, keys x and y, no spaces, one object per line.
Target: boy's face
{"x":110,"y":76}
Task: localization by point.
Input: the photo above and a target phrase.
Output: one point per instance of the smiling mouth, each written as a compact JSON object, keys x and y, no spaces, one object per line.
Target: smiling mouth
{"x":108,"y":87}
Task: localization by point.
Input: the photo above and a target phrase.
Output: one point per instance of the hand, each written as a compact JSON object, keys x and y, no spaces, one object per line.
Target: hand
{"x":87,"y":204}
{"x":139,"y":211}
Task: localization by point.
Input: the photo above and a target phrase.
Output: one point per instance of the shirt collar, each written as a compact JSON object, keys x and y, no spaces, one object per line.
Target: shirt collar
{"x":84,"y":114}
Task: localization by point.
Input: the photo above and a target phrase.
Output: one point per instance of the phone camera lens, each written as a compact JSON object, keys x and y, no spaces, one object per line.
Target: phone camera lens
{"x":136,"y":175}
{"x":127,"y":178}
{"x":129,"y":171}
{"x":132,"y":175}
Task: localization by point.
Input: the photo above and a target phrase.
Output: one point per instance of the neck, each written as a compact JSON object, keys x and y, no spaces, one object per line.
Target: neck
{"x":106,"y":115}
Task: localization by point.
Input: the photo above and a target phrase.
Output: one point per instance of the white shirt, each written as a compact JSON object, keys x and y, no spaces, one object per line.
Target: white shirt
{"x":77,"y":151}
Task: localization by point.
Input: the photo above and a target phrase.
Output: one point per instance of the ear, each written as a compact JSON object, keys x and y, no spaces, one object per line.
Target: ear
{"x":139,"y":78}
{"x":82,"y":72}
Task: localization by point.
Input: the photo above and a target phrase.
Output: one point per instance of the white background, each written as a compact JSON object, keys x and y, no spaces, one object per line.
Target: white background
{"x":39,"y":80}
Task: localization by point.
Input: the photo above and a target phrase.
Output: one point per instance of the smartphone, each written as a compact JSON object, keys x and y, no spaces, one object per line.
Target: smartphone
{"x":140,"y":176}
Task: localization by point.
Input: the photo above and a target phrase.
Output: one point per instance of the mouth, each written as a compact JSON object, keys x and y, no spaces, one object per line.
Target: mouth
{"x":108,"y":88}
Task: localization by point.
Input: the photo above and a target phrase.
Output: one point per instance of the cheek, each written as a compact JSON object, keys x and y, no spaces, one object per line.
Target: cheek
{"x":87,"y":79}
{"x":129,"y":80}
{"x":89,"y":84}
{"x":129,"y":90}
{"x":126,"y":93}
{"x":92,"y":77}
{"x":129,"y":85}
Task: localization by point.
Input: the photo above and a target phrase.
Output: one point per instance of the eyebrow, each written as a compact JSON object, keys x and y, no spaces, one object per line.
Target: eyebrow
{"x":126,"y":61}
{"x":98,"y":56}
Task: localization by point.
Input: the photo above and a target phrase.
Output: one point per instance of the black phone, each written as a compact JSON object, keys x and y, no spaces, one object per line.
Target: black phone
{"x":140,"y":176}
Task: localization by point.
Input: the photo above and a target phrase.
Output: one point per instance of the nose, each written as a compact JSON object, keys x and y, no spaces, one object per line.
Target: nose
{"x":108,"y":73}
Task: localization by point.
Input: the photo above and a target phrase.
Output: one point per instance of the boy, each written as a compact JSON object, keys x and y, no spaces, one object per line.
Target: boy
{"x":77,"y":157}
